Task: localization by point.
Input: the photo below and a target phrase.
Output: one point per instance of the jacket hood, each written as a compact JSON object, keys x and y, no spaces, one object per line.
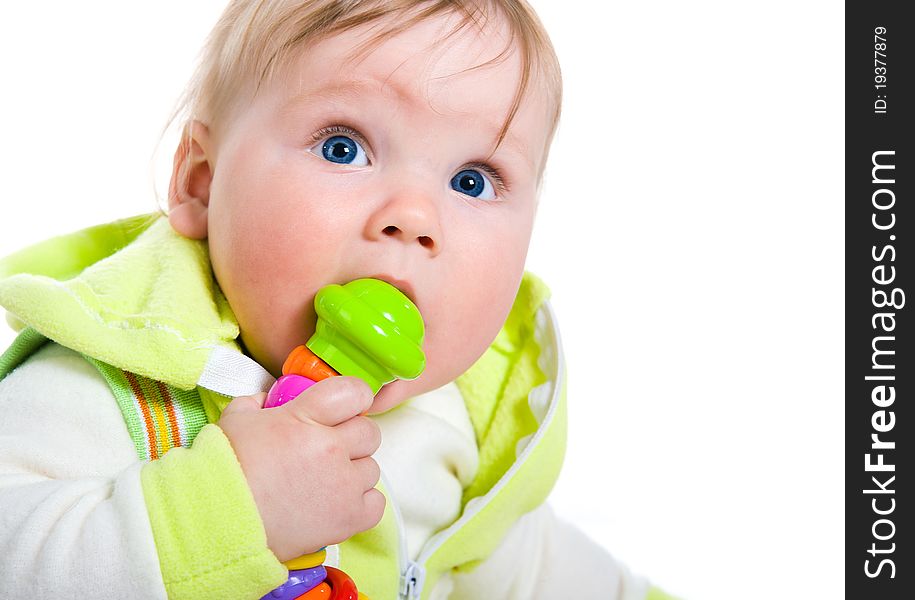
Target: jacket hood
{"x":132,"y":293}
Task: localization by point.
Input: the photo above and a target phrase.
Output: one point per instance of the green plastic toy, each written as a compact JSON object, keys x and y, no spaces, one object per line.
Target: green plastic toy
{"x":369,"y":329}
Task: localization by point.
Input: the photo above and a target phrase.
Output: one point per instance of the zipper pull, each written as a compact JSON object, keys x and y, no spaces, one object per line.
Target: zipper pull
{"x":411,"y":582}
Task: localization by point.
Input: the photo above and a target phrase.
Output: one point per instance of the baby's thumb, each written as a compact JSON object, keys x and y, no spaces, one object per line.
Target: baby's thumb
{"x":245,"y":404}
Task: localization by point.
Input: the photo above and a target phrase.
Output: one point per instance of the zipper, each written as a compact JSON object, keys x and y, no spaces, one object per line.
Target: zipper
{"x":412,"y":573}
{"x":412,"y":580}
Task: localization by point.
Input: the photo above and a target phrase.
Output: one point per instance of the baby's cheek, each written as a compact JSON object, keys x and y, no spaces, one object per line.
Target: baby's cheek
{"x":266,"y":288}
{"x":471,"y":327}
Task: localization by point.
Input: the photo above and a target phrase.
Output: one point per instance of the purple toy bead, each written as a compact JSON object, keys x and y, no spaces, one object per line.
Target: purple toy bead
{"x":286,"y":388}
{"x":299,"y":582}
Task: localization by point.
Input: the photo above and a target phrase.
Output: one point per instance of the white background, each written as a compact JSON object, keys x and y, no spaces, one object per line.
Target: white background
{"x":691,"y":229}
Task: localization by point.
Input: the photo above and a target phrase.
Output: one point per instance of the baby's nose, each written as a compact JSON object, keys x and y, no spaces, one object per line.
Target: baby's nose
{"x":409,"y":218}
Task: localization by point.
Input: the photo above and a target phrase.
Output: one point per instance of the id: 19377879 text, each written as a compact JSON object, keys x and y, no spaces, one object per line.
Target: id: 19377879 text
{"x":880,"y":70}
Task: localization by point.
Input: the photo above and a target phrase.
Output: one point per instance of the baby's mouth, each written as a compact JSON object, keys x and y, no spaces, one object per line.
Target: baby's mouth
{"x":401,"y":284}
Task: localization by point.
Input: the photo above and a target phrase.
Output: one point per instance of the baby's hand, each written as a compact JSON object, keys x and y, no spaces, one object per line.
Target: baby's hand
{"x":308,"y":463}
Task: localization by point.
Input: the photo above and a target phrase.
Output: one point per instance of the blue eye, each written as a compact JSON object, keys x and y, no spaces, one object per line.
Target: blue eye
{"x":344,"y":150}
{"x":473,"y":183}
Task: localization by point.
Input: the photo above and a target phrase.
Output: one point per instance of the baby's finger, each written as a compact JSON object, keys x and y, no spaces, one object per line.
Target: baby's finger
{"x":368,"y":472}
{"x":331,"y":401}
{"x":245,"y":404}
{"x":360,"y":435}
{"x":373,"y":502}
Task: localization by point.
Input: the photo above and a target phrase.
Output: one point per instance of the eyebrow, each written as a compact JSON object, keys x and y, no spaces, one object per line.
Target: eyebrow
{"x":344,"y":91}
{"x":337,"y":92}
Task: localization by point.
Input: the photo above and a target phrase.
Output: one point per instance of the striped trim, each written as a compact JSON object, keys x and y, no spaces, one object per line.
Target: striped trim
{"x":159,"y":417}
{"x":25,"y":344}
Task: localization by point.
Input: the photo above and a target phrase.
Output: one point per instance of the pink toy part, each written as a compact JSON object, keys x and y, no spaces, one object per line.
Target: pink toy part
{"x":285,"y":389}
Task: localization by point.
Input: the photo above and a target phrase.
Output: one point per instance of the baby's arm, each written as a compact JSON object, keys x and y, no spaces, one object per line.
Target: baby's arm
{"x":75,"y":502}
{"x":542,"y":558}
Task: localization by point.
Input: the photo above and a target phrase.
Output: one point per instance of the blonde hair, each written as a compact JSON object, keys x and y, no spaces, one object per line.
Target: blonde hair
{"x":254,"y":39}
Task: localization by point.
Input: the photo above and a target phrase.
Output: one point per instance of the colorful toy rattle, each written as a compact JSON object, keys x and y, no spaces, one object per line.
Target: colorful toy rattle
{"x":367,"y":329}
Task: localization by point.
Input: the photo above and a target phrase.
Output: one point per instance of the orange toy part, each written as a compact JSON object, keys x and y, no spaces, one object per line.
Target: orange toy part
{"x":342,"y":585}
{"x":304,"y":362}
{"x":321,"y":592}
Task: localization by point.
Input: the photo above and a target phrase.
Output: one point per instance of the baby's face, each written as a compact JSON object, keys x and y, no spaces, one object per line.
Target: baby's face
{"x":342,"y":170}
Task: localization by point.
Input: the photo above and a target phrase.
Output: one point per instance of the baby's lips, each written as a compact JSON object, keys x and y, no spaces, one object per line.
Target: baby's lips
{"x":401,"y":285}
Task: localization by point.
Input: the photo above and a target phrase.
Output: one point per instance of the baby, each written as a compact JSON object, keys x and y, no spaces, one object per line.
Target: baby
{"x":327,"y":140}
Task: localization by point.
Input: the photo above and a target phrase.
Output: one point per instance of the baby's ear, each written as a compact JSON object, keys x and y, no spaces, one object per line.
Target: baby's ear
{"x":189,"y":190}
